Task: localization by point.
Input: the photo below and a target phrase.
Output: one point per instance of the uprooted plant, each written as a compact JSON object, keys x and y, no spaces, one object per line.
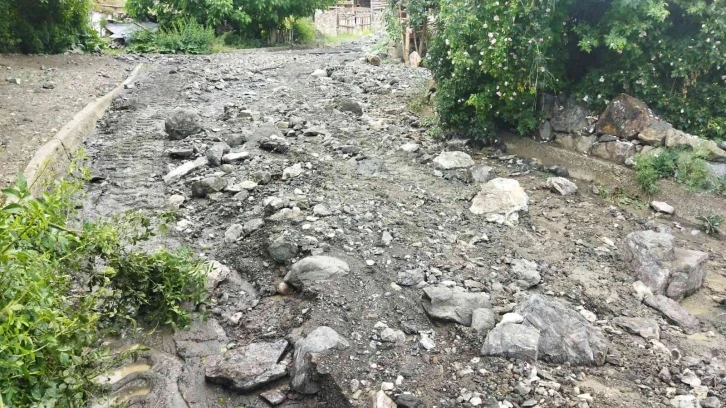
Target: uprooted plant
{"x":64,"y":287}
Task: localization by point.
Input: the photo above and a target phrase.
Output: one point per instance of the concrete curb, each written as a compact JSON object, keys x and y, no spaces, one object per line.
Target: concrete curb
{"x":54,"y":156}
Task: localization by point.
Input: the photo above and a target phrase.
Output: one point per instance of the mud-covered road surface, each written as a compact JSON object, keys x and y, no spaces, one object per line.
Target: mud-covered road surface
{"x":337,"y":166}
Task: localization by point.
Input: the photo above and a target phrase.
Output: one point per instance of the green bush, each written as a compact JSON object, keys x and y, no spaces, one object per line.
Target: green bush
{"x":303,"y":30}
{"x":492,"y":59}
{"x":687,"y":167}
{"x":182,"y":36}
{"x":63,"y":289}
{"x":32,"y":26}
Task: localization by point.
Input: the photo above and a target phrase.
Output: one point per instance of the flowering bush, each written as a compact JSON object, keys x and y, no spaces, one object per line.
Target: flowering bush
{"x":492,"y":59}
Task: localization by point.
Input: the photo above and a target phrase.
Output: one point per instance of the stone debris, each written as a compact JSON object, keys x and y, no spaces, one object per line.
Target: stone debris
{"x":316,"y":269}
{"x":454,"y":305}
{"x":500,"y":201}
{"x":321,"y":341}
{"x":249,"y":367}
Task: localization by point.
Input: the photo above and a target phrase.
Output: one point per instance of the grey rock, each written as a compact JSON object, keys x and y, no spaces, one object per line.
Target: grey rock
{"x":482,"y":320}
{"x":718,"y":169}
{"x":607,"y":138}
{"x":321,"y":210}
{"x":182,"y":123}
{"x":390,"y":335}
{"x":235,"y":139}
{"x":215,"y":152}
{"x":382,"y":400}
{"x":233,"y":233}
{"x":282,"y":250}
{"x":685,"y":401}
{"x":655,"y":133}
{"x":181,"y":153}
{"x":48,"y":85}
{"x":208,"y":185}
{"x":481,"y":173}
{"x":525,"y":273}
{"x":512,"y":341}
{"x":708,"y":148}
{"x":616,"y":152}
{"x":14,"y":81}
{"x":368,"y":167}
{"x":261,"y":177}
{"x":253,"y":225}
{"x":410,"y":278}
{"x":564,"y":334}
{"x":408,"y":401}
{"x":185,"y":169}
{"x":274,"y":145}
{"x":625,"y":116}
{"x":314,"y":269}
{"x":273,"y":397}
{"x":410,"y":147}
{"x":235,"y":157}
{"x":570,"y":117}
{"x":662,"y":207}
{"x":350,"y":149}
{"x":248,"y":367}
{"x":386,"y":238}
{"x":293,"y":171}
{"x":561,"y":186}
{"x":500,"y":201}
{"x":453,"y":160}
{"x":711,"y":402}
{"x":265,"y":130}
{"x":455,"y":305}
{"x":673,"y":312}
{"x":321,"y":341}
{"x":645,"y":328}
{"x":545,"y":131}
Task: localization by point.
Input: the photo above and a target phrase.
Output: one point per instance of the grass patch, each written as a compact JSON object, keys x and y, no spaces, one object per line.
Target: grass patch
{"x":183,"y":37}
{"x":347,"y":37}
{"x":64,"y":287}
{"x":686,"y":167}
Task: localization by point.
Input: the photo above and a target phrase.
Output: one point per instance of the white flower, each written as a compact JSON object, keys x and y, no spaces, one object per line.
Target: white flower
{"x":541,"y":69}
{"x":490,"y":35}
{"x":599,"y":96}
{"x":499,"y":94}
{"x":602,"y":79}
{"x":486,"y":25}
{"x":496,"y":18}
{"x":585,"y":98}
{"x":708,"y":40}
{"x":493,"y":40}
{"x":682,"y":111}
{"x":506,"y":83}
{"x":480,"y":62}
{"x":548,"y":9}
{"x":447,"y":41}
{"x":481,"y":53}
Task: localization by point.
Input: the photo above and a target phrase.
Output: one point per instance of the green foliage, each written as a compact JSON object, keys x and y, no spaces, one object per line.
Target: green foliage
{"x":247,"y":18}
{"x":61,"y":289}
{"x":687,"y":167}
{"x":710,"y":223}
{"x":182,"y":36}
{"x":32,"y":26}
{"x":492,"y":59}
{"x":304,"y":31}
{"x":621,"y":197}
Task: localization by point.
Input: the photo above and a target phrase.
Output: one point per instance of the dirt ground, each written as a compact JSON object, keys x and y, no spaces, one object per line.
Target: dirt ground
{"x":356,"y":185}
{"x":30,"y":114}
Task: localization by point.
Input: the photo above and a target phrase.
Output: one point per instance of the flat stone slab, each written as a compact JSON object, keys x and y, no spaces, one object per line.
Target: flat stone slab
{"x":248,"y":367}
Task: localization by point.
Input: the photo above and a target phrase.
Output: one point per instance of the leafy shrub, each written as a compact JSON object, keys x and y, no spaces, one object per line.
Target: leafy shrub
{"x":492,"y":59}
{"x":687,"y":167}
{"x":31,"y":26}
{"x":59,"y":288}
{"x":304,"y":31}
{"x":693,"y":171}
{"x":710,"y":223}
{"x":183,"y":36}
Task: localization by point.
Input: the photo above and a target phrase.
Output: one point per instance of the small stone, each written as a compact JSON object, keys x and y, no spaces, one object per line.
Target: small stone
{"x":410,"y":147}
{"x":233,"y":233}
{"x":253,"y":225}
{"x":292,"y":171}
{"x":175,"y":201}
{"x":393,"y":336}
{"x":48,"y":85}
{"x":453,"y":160}
{"x":282,"y":250}
{"x":319,"y":73}
{"x":231,"y":158}
{"x":481,"y":173}
{"x":561,"y":186}
{"x":273,"y":397}
{"x":662,"y":207}
{"x":482,"y":320}
{"x":426,"y":342}
{"x":284,"y":289}
{"x":387,"y":386}
{"x":386,"y":238}
{"x":321,"y":210}
{"x":247,"y":185}
{"x":182,"y":123}
{"x":14,"y":81}
{"x":408,"y":401}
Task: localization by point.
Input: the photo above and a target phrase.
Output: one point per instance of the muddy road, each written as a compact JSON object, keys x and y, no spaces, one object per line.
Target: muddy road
{"x":352,"y":271}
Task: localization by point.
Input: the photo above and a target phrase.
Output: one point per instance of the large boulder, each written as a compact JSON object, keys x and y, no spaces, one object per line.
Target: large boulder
{"x":453,"y":160}
{"x":575,"y":142}
{"x":625,"y":117}
{"x":500,"y":200}
{"x":708,"y":148}
{"x":455,"y":305}
{"x":617,"y":152}
{"x":314,"y":269}
{"x":565,"y":336}
{"x":512,"y":340}
{"x":249,"y":367}
{"x":321,"y":341}
{"x":570,"y":117}
{"x":182,"y":123}
{"x":663,"y":268}
{"x":655,"y":134}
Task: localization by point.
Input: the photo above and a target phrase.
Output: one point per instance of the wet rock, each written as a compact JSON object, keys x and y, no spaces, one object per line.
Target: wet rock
{"x":625,"y":117}
{"x":208,"y":185}
{"x":564,"y":334}
{"x":561,"y":185}
{"x":215,"y":152}
{"x":350,"y":105}
{"x":233,"y":233}
{"x":663,"y":268}
{"x":273,"y":397}
{"x":512,"y":341}
{"x":673,"y":312}
{"x":482,"y":320}
{"x":231,"y":158}
{"x":545,"y":131}
{"x":316,"y":269}
{"x":616,"y":152}
{"x":185,"y":169}
{"x":678,"y":139}
{"x":645,"y":328}
{"x":282,"y":250}
{"x":182,"y":123}
{"x":453,"y":160}
{"x":455,"y":305}
{"x":481,"y":173}
{"x":408,"y":401}
{"x":248,"y":367}
{"x":576,"y":143}
{"x":655,"y":133}
{"x":570,"y":117}
{"x":662,"y":207}
{"x":410,"y":278}
{"x":525,"y":273}
{"x":500,"y":200}
{"x":321,"y":341}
